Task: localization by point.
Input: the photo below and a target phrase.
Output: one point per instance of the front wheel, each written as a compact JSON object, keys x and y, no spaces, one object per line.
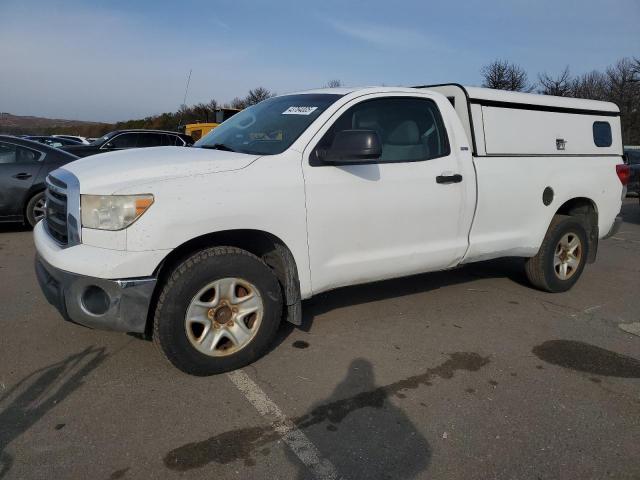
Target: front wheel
{"x":562,"y":256}
{"x":218,"y":311}
{"x":35,"y":209}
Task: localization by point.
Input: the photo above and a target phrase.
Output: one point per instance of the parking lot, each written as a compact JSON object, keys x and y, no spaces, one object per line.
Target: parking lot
{"x":459,"y":374}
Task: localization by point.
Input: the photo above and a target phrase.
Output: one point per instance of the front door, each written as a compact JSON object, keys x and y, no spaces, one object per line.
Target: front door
{"x":401,"y":214}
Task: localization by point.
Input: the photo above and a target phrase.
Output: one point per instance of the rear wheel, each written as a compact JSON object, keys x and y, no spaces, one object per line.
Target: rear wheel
{"x":562,"y":256}
{"x":35,"y":209}
{"x":218,"y":311}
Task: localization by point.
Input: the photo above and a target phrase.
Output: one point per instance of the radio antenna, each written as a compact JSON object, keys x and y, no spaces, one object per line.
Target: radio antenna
{"x":186,"y":90}
{"x":184,"y":102}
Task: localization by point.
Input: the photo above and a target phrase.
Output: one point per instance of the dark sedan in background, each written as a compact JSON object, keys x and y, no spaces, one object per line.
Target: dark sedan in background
{"x":24,"y":165}
{"x":122,"y":139}
{"x":632,"y":158}
{"x":53,"y":141}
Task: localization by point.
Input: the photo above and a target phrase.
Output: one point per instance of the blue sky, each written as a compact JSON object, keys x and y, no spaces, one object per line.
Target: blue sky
{"x":115,"y":60}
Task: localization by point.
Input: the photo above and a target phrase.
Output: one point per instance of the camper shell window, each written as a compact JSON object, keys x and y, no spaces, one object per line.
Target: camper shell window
{"x":602,"y":134}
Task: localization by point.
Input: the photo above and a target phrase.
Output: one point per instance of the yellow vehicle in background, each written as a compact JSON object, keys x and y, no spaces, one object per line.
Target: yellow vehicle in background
{"x":199,"y":130}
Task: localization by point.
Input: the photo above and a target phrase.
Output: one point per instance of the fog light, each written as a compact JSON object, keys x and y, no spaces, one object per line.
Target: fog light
{"x":95,"y":300}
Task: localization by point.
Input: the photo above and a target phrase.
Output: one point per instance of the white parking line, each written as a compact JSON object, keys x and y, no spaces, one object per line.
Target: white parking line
{"x":295,"y":439}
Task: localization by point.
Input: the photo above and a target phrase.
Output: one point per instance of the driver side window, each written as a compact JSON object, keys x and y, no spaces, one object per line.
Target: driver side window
{"x":409,"y":129}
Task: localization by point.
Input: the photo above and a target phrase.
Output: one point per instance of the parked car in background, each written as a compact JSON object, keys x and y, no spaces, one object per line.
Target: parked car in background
{"x":77,"y":138}
{"x":632,"y":158}
{"x":124,"y":139}
{"x":24,"y":165}
{"x":52,"y":141}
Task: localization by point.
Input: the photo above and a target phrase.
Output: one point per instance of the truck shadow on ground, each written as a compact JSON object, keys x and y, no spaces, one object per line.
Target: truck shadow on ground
{"x":25,"y":403}
{"x":359,"y":428}
{"x":365,"y":435}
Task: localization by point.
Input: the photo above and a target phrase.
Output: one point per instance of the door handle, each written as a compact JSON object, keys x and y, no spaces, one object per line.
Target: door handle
{"x":22,"y":176}
{"x":457,"y":178}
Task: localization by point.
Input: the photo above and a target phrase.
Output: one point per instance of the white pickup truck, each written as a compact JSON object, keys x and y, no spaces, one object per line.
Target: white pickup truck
{"x":208,"y":248}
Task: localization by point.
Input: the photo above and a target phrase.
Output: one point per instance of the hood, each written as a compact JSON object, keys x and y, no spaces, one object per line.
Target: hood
{"x":105,"y":173}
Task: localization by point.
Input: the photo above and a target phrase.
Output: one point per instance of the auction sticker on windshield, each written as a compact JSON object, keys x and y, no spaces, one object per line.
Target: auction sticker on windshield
{"x":299,"y":110}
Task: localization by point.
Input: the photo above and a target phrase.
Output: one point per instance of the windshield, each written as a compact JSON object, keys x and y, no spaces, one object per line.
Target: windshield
{"x":269,"y":127}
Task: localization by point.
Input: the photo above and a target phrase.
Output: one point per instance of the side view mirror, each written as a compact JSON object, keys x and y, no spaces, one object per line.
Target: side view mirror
{"x":354,"y":146}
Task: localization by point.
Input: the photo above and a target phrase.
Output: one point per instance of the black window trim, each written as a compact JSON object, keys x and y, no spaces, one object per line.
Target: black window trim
{"x":544,"y":108}
{"x":593,"y":131}
{"x":175,"y":144}
{"x":314,"y":161}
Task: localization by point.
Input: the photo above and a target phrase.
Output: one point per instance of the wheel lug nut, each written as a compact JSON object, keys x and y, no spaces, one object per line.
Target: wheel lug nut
{"x":230,"y":323}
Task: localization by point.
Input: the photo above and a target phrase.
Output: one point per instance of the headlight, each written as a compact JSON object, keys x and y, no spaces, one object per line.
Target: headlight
{"x":113,"y":212}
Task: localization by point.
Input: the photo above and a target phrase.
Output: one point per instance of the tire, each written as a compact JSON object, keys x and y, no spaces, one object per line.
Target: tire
{"x":543,"y":270}
{"x":35,"y":209}
{"x":184,"y":326}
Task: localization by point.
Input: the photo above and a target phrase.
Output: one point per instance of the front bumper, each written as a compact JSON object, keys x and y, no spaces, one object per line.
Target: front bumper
{"x":120,"y":305}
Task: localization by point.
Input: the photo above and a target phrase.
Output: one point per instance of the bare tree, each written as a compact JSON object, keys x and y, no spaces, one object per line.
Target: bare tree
{"x":636,"y":68}
{"x":622,"y":78}
{"x":335,"y":83}
{"x":184,"y":115}
{"x":212,"y":105}
{"x":624,"y":90}
{"x":238,"y":103}
{"x":256,"y":95}
{"x":503,"y":75}
{"x":592,"y":85}
{"x":559,"y":86}
{"x":201,"y":111}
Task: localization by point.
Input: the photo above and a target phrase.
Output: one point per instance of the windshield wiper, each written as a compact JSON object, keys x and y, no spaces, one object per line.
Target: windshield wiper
{"x":219,"y":146}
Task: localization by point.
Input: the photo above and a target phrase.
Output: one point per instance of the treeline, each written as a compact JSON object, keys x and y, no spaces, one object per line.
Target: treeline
{"x":618,"y":83}
{"x":46,"y":126}
{"x":200,"y":112}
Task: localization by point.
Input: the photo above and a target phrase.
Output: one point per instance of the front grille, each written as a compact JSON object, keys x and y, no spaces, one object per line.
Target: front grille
{"x":56,"y":183}
{"x":56,"y":210}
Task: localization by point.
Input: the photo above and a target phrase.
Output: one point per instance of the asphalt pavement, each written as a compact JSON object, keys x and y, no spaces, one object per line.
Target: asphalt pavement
{"x":463,"y":374}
